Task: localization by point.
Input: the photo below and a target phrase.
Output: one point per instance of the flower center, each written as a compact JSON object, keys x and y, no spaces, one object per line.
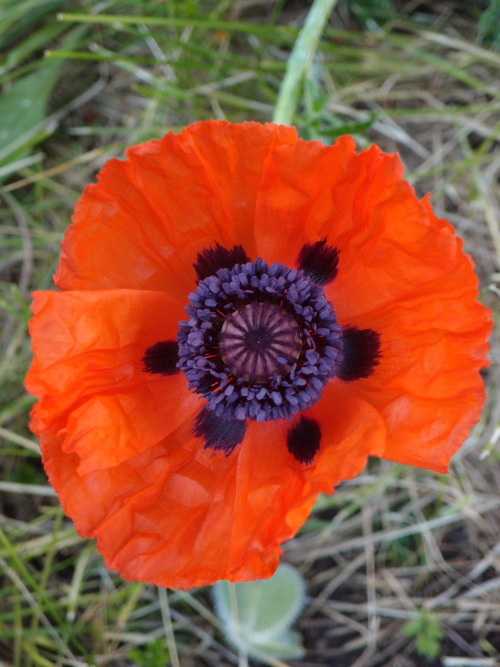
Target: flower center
{"x":259,"y":340}
{"x":260,"y":343}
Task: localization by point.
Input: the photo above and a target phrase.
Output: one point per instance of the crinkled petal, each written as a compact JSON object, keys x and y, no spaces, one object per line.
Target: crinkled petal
{"x":302,"y":196}
{"x":428,"y":387}
{"x":88,"y":374}
{"x":149,"y":216}
{"x":362,"y":205}
{"x":402,"y":272}
{"x":179,"y":515}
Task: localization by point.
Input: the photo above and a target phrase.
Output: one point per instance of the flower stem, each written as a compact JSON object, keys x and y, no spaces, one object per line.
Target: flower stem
{"x":300,"y":59}
{"x":169,"y":629}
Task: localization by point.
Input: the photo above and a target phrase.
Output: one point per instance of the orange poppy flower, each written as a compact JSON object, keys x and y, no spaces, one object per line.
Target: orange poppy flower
{"x":245,"y":317}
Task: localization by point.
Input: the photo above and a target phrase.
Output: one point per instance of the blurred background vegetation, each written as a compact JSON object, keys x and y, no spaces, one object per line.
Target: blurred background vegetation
{"x":402,"y":567}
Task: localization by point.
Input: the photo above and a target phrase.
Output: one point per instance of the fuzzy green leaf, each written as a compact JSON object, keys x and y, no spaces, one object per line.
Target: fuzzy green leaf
{"x":257,"y":614}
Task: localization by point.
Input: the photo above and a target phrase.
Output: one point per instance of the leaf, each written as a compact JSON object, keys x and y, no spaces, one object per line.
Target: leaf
{"x":23,"y":121}
{"x":287,"y":646}
{"x":257,"y":614}
{"x":488,"y":32}
{"x":425,"y":628}
{"x":22,"y":110}
{"x":20,"y":20}
{"x":371,"y":13}
{"x":154,"y":654}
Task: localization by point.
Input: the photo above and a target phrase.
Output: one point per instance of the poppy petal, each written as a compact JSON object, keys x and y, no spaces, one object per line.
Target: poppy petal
{"x":402,"y":274}
{"x":302,"y":197}
{"x":427,"y":386}
{"x":433,"y":344}
{"x":192,"y":188}
{"x":89,"y":376}
{"x":180,"y":515}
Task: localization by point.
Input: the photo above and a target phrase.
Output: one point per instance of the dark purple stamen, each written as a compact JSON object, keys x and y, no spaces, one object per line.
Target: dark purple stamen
{"x":303,"y":439}
{"x":319,"y":261}
{"x":261,"y":342}
{"x":162,"y":358}
{"x":210,"y":260}
{"x":361,"y":353}
{"x":219,"y":434}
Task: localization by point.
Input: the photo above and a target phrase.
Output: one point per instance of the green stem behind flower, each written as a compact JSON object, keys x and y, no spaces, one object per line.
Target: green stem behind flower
{"x":300,"y":60}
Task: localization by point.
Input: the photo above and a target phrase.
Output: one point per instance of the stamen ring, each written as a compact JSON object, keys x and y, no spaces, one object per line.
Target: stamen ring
{"x":261,"y":341}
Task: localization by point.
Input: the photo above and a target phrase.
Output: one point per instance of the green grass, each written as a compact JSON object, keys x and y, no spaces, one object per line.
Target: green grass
{"x":394,"y":554}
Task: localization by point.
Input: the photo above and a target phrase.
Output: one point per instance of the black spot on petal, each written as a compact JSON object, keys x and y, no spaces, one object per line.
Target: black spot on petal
{"x":319,"y":261}
{"x":361,"y":353}
{"x":219,"y":433}
{"x":210,"y":260}
{"x":303,"y":440}
{"x":162,"y":358}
